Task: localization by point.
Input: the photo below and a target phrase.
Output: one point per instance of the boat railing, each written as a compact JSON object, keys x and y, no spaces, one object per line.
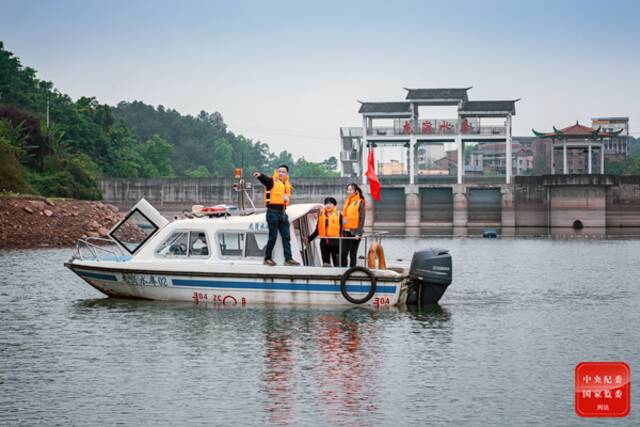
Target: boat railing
{"x":99,"y":249}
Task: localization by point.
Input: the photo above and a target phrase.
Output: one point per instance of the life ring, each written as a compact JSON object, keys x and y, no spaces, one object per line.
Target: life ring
{"x":376,"y":251}
{"x":345,"y":291}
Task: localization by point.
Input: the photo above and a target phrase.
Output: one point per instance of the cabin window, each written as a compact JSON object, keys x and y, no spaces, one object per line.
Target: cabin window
{"x":242,"y":244}
{"x":183,"y":244}
{"x":198,"y":244}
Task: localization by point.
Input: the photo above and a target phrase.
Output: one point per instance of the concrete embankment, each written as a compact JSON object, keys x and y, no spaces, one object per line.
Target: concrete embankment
{"x":39,"y":222}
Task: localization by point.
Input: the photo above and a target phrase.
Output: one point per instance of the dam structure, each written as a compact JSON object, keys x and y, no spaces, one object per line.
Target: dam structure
{"x":454,"y":164}
{"x":549,"y":201}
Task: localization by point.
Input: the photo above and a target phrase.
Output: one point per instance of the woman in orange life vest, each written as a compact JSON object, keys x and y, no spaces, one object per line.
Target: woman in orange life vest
{"x":329,"y":225}
{"x":277,"y":194}
{"x":353,"y":215}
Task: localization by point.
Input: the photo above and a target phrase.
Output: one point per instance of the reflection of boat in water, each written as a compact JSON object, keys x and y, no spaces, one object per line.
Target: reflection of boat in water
{"x":220,"y":260}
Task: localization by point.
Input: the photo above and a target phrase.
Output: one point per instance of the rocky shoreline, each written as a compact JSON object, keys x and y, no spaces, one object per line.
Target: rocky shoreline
{"x":45,"y":223}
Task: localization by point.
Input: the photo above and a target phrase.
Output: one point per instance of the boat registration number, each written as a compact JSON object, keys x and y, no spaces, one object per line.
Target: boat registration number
{"x":381,"y":301}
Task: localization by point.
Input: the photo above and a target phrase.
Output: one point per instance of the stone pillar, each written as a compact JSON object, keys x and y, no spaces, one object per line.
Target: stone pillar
{"x":412,"y":160}
{"x":602,"y":158}
{"x":590,"y":159}
{"x":460,"y":206}
{"x":363,"y":155}
{"x":564,"y":158}
{"x":507,"y":207}
{"x":412,"y":206}
{"x":553,"y":159}
{"x":460,"y":158}
{"x":369,"y":219}
{"x":509,"y":149}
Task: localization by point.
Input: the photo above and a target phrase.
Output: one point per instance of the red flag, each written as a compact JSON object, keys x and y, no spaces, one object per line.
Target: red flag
{"x":374,"y":184}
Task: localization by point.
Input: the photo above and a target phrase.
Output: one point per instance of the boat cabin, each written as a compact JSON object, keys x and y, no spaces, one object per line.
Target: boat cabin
{"x":146,"y":235}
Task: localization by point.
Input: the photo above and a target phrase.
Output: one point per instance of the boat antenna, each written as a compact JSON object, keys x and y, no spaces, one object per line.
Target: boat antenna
{"x":241,"y":192}
{"x":241,"y":187}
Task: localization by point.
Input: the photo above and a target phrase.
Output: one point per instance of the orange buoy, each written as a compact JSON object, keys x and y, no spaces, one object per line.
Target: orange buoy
{"x":376,"y":251}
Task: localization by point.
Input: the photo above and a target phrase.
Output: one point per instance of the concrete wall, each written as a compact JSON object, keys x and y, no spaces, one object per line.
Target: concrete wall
{"x":182,"y":192}
{"x":531,"y":201}
{"x":623,"y":202}
{"x":553,"y":200}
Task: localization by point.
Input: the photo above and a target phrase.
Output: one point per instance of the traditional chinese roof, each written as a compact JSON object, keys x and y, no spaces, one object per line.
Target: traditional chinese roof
{"x":577,"y":131}
{"x":385,"y":108}
{"x":503,"y":107}
{"x":449,"y":94}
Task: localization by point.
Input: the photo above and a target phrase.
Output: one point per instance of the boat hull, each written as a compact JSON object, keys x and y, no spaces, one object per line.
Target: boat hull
{"x":236,"y":289}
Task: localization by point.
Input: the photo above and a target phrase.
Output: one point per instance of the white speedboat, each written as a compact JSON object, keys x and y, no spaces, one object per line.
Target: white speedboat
{"x":219,"y":259}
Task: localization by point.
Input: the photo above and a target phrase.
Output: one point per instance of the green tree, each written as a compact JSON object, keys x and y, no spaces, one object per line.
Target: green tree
{"x":223,"y":157}
{"x":634,"y":166}
{"x":331,"y":163}
{"x":157,"y":153}
{"x":304,"y":168}
{"x":614,"y":167}
{"x":284,"y":158}
{"x":11,"y":176}
{"x":199,"y":172}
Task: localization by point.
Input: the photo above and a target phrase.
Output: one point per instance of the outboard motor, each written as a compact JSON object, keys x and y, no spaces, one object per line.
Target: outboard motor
{"x":431,"y":274}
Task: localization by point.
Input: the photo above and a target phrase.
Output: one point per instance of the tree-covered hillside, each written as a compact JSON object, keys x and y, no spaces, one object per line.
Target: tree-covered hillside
{"x":82,"y":140}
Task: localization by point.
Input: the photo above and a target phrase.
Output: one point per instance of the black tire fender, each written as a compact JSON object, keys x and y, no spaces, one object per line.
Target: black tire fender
{"x":343,"y":285}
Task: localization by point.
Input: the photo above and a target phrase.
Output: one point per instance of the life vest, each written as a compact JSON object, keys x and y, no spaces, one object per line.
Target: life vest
{"x":276,"y":196}
{"x":351,"y":212}
{"x":329,"y":226}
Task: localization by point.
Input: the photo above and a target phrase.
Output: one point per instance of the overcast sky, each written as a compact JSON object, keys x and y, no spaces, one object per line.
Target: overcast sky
{"x":290,"y":73}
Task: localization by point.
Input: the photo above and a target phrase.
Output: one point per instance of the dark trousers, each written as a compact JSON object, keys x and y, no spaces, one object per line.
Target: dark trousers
{"x":329,"y":250}
{"x":349,"y":249}
{"x":277,"y":220}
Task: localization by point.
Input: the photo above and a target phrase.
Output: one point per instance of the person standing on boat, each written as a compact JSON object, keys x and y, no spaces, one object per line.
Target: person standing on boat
{"x":329,"y":229}
{"x":353,"y":215}
{"x":277,"y":195}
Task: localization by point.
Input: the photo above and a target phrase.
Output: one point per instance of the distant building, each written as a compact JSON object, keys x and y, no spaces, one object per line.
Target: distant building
{"x":350,"y":151}
{"x":427,"y":155}
{"x":578,"y":146}
{"x":487,"y":158}
{"x":617,"y":147}
{"x":392,"y":167}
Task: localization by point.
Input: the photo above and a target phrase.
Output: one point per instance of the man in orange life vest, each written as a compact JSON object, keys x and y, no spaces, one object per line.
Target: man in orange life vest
{"x":329,"y":229}
{"x":277,"y":195}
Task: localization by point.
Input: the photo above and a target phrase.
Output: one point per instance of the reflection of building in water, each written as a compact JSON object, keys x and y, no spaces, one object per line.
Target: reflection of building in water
{"x":279,"y":383}
{"x":348,"y":384}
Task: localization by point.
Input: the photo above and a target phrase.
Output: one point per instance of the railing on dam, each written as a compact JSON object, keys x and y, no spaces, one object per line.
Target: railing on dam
{"x":168,"y":191}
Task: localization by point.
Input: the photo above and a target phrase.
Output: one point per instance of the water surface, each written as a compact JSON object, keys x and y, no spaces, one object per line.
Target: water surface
{"x":500,"y":349}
